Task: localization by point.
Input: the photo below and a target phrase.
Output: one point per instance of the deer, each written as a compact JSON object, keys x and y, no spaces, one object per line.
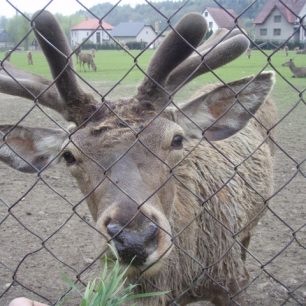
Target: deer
{"x":298,"y":72}
{"x":87,"y":58}
{"x":286,"y":50}
{"x":175,"y":189}
{"x":30,"y":58}
{"x":249,"y":52}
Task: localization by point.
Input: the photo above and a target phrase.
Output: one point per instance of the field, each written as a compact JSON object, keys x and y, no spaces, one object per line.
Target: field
{"x":42,"y":238}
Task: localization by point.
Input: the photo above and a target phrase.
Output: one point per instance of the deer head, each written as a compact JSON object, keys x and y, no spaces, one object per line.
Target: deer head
{"x":124,"y":153}
{"x":288,"y":63}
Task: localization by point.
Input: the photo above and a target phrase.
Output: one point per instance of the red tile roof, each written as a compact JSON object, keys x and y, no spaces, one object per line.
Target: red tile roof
{"x":91,"y":24}
{"x":289,"y":9}
{"x":222,"y":17}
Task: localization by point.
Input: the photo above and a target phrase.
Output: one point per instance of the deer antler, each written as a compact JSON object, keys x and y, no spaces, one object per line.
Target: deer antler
{"x":176,"y":47}
{"x":63,"y":94}
{"x":179,"y":59}
{"x":17,"y":82}
{"x":214,"y":53}
{"x":79,"y":105}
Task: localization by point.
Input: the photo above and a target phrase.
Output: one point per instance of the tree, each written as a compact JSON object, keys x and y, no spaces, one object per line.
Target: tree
{"x":19,"y":29}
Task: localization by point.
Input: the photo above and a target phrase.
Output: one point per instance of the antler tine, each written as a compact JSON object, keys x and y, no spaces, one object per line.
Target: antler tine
{"x":212,"y":57}
{"x":16,"y":82}
{"x":52,"y":40}
{"x":218,"y":36}
{"x":175,"y":48}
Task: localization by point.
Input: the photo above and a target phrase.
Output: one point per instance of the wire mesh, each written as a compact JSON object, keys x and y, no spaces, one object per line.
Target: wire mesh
{"x":46,"y":228}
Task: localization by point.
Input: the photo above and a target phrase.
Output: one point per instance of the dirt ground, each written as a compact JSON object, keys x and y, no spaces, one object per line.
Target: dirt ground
{"x":41,"y":238}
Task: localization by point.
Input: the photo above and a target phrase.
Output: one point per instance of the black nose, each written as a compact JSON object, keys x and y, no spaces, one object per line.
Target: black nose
{"x":134,"y":245}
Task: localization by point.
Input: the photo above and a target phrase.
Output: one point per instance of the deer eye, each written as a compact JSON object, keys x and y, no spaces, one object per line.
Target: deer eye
{"x":177,"y":142}
{"x":69,"y":158}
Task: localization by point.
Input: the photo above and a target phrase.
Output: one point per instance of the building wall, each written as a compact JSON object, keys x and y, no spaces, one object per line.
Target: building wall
{"x":146,"y":34}
{"x":303,"y":31}
{"x":212,"y":25}
{"x":78,"y":36}
{"x":286,"y":29}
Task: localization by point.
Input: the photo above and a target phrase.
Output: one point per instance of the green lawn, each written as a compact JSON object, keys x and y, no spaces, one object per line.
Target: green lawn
{"x":114,"y":65}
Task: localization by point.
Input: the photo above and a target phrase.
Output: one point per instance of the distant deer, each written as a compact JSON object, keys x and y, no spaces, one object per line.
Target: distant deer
{"x":176,"y":189}
{"x":249,"y":52}
{"x":298,"y":72}
{"x":87,"y":58}
{"x":30,"y":58}
{"x":286,"y":50}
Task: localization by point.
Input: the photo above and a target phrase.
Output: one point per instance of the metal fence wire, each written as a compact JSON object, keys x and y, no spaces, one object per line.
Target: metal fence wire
{"x":181,"y":206}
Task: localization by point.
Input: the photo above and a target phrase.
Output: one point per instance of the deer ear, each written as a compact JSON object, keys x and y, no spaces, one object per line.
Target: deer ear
{"x":225,"y":110}
{"x":29,"y":149}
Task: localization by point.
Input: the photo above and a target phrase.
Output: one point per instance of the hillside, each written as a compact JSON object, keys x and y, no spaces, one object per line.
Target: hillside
{"x":167,"y":9}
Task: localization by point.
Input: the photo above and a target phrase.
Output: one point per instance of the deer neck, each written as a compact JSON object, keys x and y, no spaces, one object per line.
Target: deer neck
{"x":292,"y":67}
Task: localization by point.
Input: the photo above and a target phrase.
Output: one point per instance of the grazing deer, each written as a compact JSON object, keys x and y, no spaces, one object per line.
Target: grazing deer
{"x":87,"y":58}
{"x":298,"y":72}
{"x":30,"y":58}
{"x":176,"y":190}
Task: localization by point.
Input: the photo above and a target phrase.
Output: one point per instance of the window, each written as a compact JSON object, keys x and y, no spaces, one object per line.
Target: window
{"x":263,"y":32}
{"x":98,"y":37}
{"x":206,"y":14}
{"x":277,"y":32}
{"x":210,"y":24}
{"x":278,"y":18}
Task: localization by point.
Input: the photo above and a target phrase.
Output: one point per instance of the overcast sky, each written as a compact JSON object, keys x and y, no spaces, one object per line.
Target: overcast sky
{"x":65,"y":7}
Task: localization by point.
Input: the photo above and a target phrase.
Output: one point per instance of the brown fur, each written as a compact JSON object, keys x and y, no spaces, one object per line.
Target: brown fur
{"x":179,"y":197}
{"x":30,"y":58}
{"x":86,"y":58}
{"x":298,"y":72}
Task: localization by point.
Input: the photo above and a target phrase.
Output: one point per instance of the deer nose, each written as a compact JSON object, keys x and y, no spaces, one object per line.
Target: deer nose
{"x":134,"y":245}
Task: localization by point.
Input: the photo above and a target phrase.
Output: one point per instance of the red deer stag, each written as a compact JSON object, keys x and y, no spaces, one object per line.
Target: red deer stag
{"x":176,"y":190}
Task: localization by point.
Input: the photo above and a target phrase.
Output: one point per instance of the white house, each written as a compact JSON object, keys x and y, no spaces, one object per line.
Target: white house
{"x":279,"y":22}
{"x":134,"y":31}
{"x":219,"y":18}
{"x":90,"y":29}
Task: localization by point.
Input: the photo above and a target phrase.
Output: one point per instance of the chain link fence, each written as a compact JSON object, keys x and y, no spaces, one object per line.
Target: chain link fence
{"x":46,"y":229}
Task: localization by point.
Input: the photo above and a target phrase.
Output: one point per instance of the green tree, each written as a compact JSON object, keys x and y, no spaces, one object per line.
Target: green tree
{"x":19,"y":29}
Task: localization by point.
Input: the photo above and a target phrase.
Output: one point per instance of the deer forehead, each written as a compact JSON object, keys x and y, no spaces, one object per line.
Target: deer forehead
{"x":119,"y":134}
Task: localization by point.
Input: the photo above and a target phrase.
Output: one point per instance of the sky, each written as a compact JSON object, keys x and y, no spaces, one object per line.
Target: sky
{"x":64,"y":7}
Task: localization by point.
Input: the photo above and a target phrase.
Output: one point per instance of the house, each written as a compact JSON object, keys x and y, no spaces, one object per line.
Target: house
{"x":4,"y":39}
{"x":92,"y":30}
{"x":278,"y":21}
{"x":126,"y":32}
{"x":219,"y":18}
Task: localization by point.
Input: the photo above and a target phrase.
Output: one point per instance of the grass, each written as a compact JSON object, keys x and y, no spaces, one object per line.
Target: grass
{"x":111,"y":288}
{"x":114,"y":65}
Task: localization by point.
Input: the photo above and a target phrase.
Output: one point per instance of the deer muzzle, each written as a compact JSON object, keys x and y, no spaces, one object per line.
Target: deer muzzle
{"x":134,"y":245}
